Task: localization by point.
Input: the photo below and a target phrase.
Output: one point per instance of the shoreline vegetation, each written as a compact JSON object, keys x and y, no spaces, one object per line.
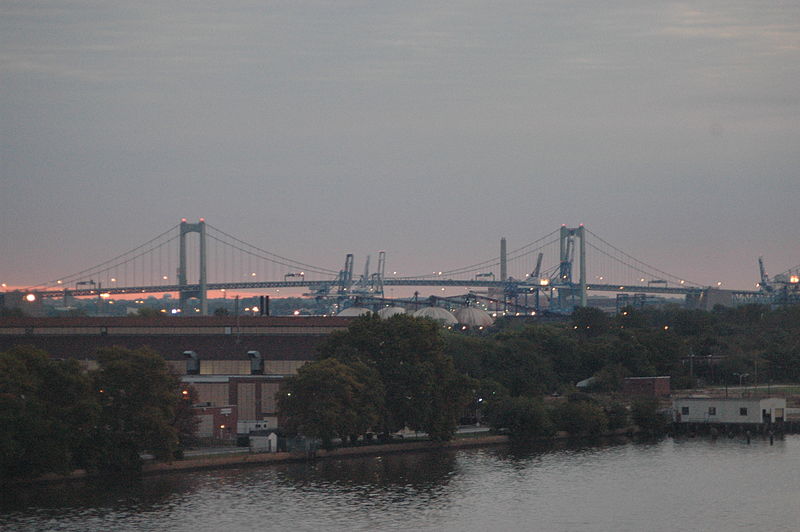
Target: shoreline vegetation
{"x":381,"y":376}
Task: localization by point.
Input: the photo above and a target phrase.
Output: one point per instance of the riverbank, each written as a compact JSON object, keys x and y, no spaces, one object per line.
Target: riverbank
{"x":220,"y":461}
{"x":246,"y":459}
{"x":209,"y":462}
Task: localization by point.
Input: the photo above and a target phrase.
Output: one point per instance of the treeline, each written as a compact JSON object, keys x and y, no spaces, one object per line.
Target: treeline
{"x":517,"y":364}
{"x":382,"y":375}
{"x":529,"y":418}
{"x":716,"y":348}
{"x":56,"y":417}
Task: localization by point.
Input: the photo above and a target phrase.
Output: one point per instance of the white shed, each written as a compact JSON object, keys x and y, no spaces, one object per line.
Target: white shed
{"x":263,"y":442}
{"x":728,"y":410}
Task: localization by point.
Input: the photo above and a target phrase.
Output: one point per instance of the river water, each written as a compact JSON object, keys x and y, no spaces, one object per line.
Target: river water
{"x":672,"y":485}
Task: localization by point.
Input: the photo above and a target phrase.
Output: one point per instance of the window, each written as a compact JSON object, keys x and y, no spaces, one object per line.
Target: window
{"x":712,"y":410}
{"x":684,"y":410}
{"x":743,"y":411}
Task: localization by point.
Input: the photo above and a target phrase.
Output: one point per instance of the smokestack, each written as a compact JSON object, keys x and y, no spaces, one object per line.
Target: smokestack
{"x":503,"y":260}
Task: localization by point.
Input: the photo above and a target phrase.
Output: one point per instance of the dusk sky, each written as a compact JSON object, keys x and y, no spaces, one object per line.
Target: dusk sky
{"x":427,"y":129}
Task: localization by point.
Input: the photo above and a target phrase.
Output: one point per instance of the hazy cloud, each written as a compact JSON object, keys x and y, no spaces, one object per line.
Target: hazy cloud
{"x":430,"y":129}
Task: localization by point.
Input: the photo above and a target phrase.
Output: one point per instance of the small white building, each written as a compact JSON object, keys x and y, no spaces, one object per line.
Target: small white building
{"x":264,"y":441}
{"x":728,"y":410}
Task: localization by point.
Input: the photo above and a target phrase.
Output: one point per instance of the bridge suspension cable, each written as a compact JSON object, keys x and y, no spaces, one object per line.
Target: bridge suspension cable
{"x":635,"y":263}
{"x":477,"y":267}
{"x":113,"y":263}
{"x":263,"y":254}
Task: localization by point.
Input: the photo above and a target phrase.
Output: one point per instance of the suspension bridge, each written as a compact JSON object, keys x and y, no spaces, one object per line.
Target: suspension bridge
{"x":560,"y":269}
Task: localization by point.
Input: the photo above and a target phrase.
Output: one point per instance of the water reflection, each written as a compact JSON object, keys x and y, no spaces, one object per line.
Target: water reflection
{"x":423,"y":471}
{"x":132,"y":494}
{"x":524,"y":453}
{"x":667,"y":485}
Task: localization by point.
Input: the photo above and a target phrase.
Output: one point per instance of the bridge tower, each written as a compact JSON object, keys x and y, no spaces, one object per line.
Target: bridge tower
{"x":568,"y":236}
{"x":199,"y":292}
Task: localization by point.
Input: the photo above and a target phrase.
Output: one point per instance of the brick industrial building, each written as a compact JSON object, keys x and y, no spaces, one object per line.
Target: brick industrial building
{"x":232,"y":362}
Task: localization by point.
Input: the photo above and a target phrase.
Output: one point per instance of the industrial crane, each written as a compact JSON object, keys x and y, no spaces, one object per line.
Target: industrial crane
{"x":764,"y":282}
{"x":783,"y":288}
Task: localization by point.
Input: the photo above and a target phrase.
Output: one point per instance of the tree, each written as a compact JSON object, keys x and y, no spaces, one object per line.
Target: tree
{"x":525,"y":417}
{"x":618,"y":416}
{"x":46,"y":414}
{"x":468,"y":352}
{"x":627,"y":351}
{"x":579,"y":418}
{"x":645,"y":412}
{"x":184,"y":419}
{"x":149,"y":312}
{"x":139,"y":398}
{"x":590,"y":321}
{"x":329,"y":399}
{"x":423,"y":391}
{"x":54,"y":417}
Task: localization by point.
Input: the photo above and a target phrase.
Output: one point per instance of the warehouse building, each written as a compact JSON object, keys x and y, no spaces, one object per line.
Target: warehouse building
{"x":235,"y":364}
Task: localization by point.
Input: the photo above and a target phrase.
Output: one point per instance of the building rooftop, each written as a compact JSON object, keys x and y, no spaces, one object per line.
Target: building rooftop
{"x":172,"y":321}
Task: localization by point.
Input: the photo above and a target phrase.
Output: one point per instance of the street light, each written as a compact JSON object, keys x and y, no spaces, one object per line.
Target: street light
{"x":741,"y":376}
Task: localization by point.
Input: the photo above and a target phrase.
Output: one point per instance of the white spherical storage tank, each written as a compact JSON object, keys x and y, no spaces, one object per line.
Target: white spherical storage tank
{"x":473,"y":317}
{"x":437,"y":314}
{"x":388,"y":312}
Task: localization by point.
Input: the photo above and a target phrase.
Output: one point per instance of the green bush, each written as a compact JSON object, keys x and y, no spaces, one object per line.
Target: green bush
{"x":646,"y":413}
{"x":525,"y":418}
{"x":618,"y":417}
{"x":579,"y":418}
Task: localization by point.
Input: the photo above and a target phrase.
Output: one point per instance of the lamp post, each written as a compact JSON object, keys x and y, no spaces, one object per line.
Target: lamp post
{"x":741,"y":378}
{"x":710,"y":359}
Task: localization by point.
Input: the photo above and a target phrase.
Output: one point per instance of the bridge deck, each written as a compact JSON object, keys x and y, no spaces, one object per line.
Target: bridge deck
{"x":515,"y":286}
